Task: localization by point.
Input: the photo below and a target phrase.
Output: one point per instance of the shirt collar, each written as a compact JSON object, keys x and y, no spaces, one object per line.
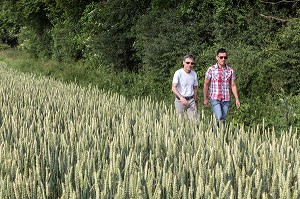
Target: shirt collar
{"x":216,"y":66}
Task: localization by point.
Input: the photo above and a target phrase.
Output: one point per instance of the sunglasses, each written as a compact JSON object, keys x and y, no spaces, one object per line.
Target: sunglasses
{"x":192,"y":63}
{"x":222,"y":57}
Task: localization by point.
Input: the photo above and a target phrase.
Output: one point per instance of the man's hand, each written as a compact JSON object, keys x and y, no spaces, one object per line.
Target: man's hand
{"x":237,"y":103}
{"x":205,"y":102}
{"x":184,"y":102}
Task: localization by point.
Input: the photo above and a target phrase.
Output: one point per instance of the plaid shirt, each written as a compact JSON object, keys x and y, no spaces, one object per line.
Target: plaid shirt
{"x":220,"y":81}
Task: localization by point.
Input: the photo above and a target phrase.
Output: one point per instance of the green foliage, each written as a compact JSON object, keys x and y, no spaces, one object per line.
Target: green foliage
{"x":37,"y":45}
{"x":67,"y":44}
{"x":3,"y":46}
{"x":9,"y":26}
{"x":289,"y":110}
{"x":34,"y":34}
{"x":34,"y":15}
{"x":160,"y":42}
{"x":165,"y":4}
{"x":288,"y":56}
{"x":280,"y":112}
{"x":163,"y":37}
{"x":66,"y":31}
{"x":107,"y":30}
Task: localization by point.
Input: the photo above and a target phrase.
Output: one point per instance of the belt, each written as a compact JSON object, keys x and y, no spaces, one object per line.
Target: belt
{"x":187,"y":98}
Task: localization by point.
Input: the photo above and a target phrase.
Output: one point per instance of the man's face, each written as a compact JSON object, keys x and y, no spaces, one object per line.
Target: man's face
{"x":188,"y":65}
{"x":221,"y":58}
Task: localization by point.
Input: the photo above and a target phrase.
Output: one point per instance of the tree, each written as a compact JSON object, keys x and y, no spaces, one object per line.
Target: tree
{"x":107,"y":29}
{"x":9,"y":26}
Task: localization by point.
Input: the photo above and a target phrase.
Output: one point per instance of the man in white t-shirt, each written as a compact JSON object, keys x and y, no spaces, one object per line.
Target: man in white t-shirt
{"x":185,"y":88}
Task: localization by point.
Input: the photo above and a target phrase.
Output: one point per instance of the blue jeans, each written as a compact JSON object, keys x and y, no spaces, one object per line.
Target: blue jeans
{"x":220,"y":109}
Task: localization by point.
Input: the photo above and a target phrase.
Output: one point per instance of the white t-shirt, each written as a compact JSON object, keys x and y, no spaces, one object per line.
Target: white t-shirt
{"x":185,"y":82}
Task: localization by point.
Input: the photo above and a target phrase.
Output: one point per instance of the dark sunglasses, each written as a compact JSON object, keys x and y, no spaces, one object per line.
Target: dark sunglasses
{"x":222,"y":57}
{"x":192,"y":63}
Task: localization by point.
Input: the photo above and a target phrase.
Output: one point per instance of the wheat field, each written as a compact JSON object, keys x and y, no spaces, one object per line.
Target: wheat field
{"x":61,"y":140}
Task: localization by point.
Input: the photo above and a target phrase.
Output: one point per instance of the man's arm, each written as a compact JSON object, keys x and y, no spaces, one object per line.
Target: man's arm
{"x":235,"y":93}
{"x":175,"y":91}
{"x":205,"y":92}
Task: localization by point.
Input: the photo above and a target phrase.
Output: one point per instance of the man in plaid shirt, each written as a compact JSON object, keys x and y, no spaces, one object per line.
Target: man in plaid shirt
{"x":218,"y":80}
